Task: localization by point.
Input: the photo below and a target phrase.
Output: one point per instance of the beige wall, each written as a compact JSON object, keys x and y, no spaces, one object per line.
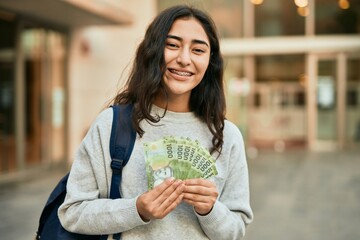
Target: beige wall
{"x":98,"y":58}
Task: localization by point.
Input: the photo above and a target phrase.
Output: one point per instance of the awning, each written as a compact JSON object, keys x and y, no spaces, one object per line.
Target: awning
{"x":69,"y":13}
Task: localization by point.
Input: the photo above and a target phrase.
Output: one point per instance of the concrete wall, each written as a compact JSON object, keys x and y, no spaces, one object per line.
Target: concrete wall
{"x":99,"y":60}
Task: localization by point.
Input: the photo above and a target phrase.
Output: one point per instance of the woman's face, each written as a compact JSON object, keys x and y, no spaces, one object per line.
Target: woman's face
{"x":187,"y":55}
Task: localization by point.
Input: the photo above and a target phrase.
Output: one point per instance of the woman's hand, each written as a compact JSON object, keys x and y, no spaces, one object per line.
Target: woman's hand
{"x":201,"y":194}
{"x":160,"y":201}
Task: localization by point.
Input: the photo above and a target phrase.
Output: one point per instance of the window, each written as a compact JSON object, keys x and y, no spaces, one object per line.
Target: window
{"x":278,"y":18}
{"x":280,"y":68}
{"x":353,"y":101}
{"x":227,"y":14}
{"x":32,"y":103}
{"x":337,"y":17}
{"x":7,"y":95}
{"x":45,"y":94}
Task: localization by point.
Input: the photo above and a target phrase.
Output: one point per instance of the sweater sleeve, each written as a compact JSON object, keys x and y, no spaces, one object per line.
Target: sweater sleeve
{"x":86,"y":209}
{"x":231,"y":212}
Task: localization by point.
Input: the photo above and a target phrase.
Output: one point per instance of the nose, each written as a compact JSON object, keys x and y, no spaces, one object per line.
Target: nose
{"x":184,"y":57}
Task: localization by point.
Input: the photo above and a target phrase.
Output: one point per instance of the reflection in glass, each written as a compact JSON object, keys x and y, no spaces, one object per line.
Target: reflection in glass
{"x":280,"y":68}
{"x":326,"y":100}
{"x":44,"y":77}
{"x":227,"y":14}
{"x":278,"y":113}
{"x":337,"y":17}
{"x":279,"y":18}
{"x":7,"y":96}
{"x":353,"y":101}
{"x":237,"y":92}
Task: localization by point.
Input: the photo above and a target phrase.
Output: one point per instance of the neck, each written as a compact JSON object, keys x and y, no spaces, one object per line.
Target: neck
{"x":174,"y":104}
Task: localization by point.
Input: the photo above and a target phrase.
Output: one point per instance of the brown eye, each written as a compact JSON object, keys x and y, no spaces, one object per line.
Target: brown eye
{"x":199,"y":50}
{"x":171,"y":45}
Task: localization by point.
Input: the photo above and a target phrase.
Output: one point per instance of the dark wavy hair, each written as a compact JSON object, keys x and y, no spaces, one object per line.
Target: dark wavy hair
{"x":207,"y":99}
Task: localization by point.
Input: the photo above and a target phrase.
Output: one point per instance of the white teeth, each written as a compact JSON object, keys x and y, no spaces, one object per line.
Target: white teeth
{"x":181,"y":73}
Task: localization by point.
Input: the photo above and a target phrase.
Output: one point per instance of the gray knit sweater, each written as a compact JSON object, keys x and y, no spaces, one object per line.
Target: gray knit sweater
{"x":87,"y":210}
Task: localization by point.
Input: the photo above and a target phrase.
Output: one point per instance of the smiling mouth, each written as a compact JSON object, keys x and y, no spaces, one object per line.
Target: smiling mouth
{"x":181,"y":73}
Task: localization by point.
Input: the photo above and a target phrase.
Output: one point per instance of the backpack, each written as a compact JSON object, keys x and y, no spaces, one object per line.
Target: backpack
{"x":122,"y":141}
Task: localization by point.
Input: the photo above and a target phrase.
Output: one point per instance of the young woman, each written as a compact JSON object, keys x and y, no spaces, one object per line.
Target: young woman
{"x":176,"y":88}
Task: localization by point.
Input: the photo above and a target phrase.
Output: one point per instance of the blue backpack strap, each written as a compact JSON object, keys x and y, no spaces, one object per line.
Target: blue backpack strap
{"x":122,"y":142}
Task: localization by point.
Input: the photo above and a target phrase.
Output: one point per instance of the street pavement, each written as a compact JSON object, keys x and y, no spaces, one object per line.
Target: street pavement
{"x":304,"y":195}
{"x":294,"y":195}
{"x":21,"y":205}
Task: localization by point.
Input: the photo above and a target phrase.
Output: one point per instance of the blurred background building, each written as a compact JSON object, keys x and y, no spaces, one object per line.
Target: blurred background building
{"x":292,"y":72}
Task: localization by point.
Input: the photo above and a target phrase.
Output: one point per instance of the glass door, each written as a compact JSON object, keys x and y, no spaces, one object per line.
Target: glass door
{"x":352,"y":121}
{"x":7,"y":95}
{"x":327,"y":119}
{"x":32,"y":94}
{"x":44,"y":63}
{"x":326,"y":101}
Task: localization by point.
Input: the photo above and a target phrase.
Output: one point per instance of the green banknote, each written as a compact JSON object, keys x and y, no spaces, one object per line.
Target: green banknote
{"x":178,"y":157}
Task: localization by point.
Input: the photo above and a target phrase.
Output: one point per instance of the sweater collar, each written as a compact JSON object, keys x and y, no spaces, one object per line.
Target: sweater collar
{"x":180,"y":117}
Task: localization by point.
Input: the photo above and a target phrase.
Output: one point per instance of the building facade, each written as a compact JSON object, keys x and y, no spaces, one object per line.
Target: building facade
{"x":292,"y":71}
{"x":60,"y":62}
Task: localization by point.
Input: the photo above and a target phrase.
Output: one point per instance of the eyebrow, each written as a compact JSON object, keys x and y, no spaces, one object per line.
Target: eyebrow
{"x":193,"y":41}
